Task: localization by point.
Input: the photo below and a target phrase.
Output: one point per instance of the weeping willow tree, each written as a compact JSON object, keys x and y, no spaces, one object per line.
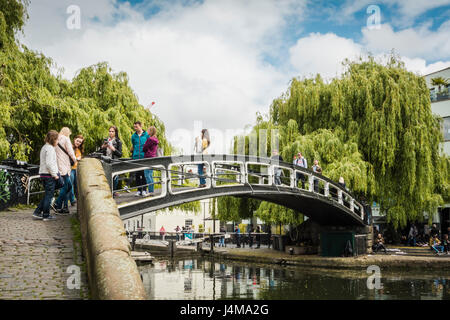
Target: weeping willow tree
{"x":382,"y":114}
{"x":34,"y":101}
{"x":373,"y":127}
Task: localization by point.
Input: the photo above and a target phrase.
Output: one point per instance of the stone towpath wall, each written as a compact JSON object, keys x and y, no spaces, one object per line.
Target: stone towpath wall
{"x":112,"y":273}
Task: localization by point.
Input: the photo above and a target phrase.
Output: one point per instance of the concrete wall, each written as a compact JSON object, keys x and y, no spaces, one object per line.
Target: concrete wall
{"x":112,"y":273}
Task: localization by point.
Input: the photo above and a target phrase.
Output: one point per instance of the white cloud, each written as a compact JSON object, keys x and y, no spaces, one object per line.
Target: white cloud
{"x":199,"y":63}
{"x":413,"y":42}
{"x":322,"y":53}
{"x":406,"y":10}
{"x":205,"y":61}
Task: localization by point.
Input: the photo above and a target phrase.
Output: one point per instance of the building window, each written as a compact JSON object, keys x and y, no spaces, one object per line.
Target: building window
{"x":188,"y":222}
{"x":446,"y":128}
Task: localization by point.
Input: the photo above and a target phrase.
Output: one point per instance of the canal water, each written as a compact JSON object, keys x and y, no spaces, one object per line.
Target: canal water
{"x":204,"y":278}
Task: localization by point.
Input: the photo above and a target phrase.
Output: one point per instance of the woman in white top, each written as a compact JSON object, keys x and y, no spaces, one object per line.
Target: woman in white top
{"x":48,"y":170}
{"x":201,"y":147}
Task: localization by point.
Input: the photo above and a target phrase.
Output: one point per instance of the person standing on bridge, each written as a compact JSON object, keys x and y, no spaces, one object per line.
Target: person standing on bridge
{"x":112,"y":147}
{"x":301,"y":162}
{"x":65,"y":157}
{"x":138,"y":140}
{"x":278,"y":171}
{"x":318,"y":169}
{"x":48,"y":171}
{"x":150,"y":149}
{"x":201,"y":147}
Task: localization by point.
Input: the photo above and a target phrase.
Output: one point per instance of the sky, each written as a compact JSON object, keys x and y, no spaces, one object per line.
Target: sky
{"x":216,"y":63}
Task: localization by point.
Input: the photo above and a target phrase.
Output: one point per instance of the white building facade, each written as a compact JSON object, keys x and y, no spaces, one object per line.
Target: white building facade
{"x":440,"y":105}
{"x":153,"y":221}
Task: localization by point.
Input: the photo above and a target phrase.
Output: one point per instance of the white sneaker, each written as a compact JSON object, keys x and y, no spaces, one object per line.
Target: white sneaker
{"x":138,"y":194}
{"x":144,"y":193}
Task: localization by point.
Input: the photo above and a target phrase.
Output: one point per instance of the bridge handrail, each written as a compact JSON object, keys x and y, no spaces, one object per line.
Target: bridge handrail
{"x":210,"y":158}
{"x":167,"y":162}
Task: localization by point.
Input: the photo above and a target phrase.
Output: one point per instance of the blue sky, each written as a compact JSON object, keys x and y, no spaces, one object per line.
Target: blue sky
{"x":215,"y":63}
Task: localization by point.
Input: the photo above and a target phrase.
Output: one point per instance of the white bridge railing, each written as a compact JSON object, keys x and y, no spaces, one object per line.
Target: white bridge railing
{"x":182,"y":177}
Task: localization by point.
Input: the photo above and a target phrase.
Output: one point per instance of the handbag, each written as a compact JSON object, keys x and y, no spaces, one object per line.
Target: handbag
{"x":60,"y":182}
{"x":159,"y":152}
{"x":70,"y":159}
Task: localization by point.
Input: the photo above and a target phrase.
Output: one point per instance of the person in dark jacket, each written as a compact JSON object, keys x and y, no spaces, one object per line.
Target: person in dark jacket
{"x":112,"y":147}
{"x":278,"y":171}
{"x":150,"y":150}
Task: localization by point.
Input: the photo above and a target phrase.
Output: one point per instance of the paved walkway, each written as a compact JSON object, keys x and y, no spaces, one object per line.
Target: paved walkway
{"x":35,"y":256}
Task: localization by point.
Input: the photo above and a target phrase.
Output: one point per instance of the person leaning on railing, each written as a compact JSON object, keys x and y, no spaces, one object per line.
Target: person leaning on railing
{"x":316,"y":168}
{"x":150,"y":148}
{"x":112,"y":147}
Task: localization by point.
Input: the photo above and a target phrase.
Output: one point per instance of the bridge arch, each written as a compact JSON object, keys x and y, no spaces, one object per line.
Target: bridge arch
{"x":239,"y":176}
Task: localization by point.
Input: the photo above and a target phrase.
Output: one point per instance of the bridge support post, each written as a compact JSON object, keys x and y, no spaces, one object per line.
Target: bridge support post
{"x":172,"y":248}
{"x":211,"y":238}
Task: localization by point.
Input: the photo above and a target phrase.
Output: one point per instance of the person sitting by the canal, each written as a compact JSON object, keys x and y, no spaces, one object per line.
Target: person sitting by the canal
{"x":379,"y":244}
{"x":445,"y":243}
{"x":238,"y":236}
{"x":436,"y":245}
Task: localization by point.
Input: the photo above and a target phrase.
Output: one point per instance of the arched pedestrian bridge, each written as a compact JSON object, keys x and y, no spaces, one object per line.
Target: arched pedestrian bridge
{"x":176,"y":182}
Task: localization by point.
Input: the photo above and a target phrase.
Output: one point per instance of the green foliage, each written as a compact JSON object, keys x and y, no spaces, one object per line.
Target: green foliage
{"x":374,"y":127}
{"x":389,"y":136}
{"x":14,"y":14}
{"x":439,"y":81}
{"x":273,"y":214}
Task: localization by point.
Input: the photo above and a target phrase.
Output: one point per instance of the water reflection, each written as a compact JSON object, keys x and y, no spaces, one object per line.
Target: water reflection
{"x":196,"y":279}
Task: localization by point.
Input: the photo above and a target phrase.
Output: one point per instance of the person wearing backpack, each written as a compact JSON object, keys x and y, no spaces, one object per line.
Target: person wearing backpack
{"x":65,"y":157}
{"x":150,"y":151}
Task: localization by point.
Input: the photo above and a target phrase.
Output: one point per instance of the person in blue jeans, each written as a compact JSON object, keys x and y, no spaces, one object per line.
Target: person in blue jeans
{"x":64,"y":152}
{"x":201,"y":146}
{"x":78,"y":148}
{"x":138,"y":140}
{"x":150,"y":151}
{"x":48,"y":171}
{"x":437,"y":245}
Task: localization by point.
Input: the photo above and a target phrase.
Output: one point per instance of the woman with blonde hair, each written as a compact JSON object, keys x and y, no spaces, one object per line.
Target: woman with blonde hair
{"x":65,"y":157}
{"x":150,"y":151}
